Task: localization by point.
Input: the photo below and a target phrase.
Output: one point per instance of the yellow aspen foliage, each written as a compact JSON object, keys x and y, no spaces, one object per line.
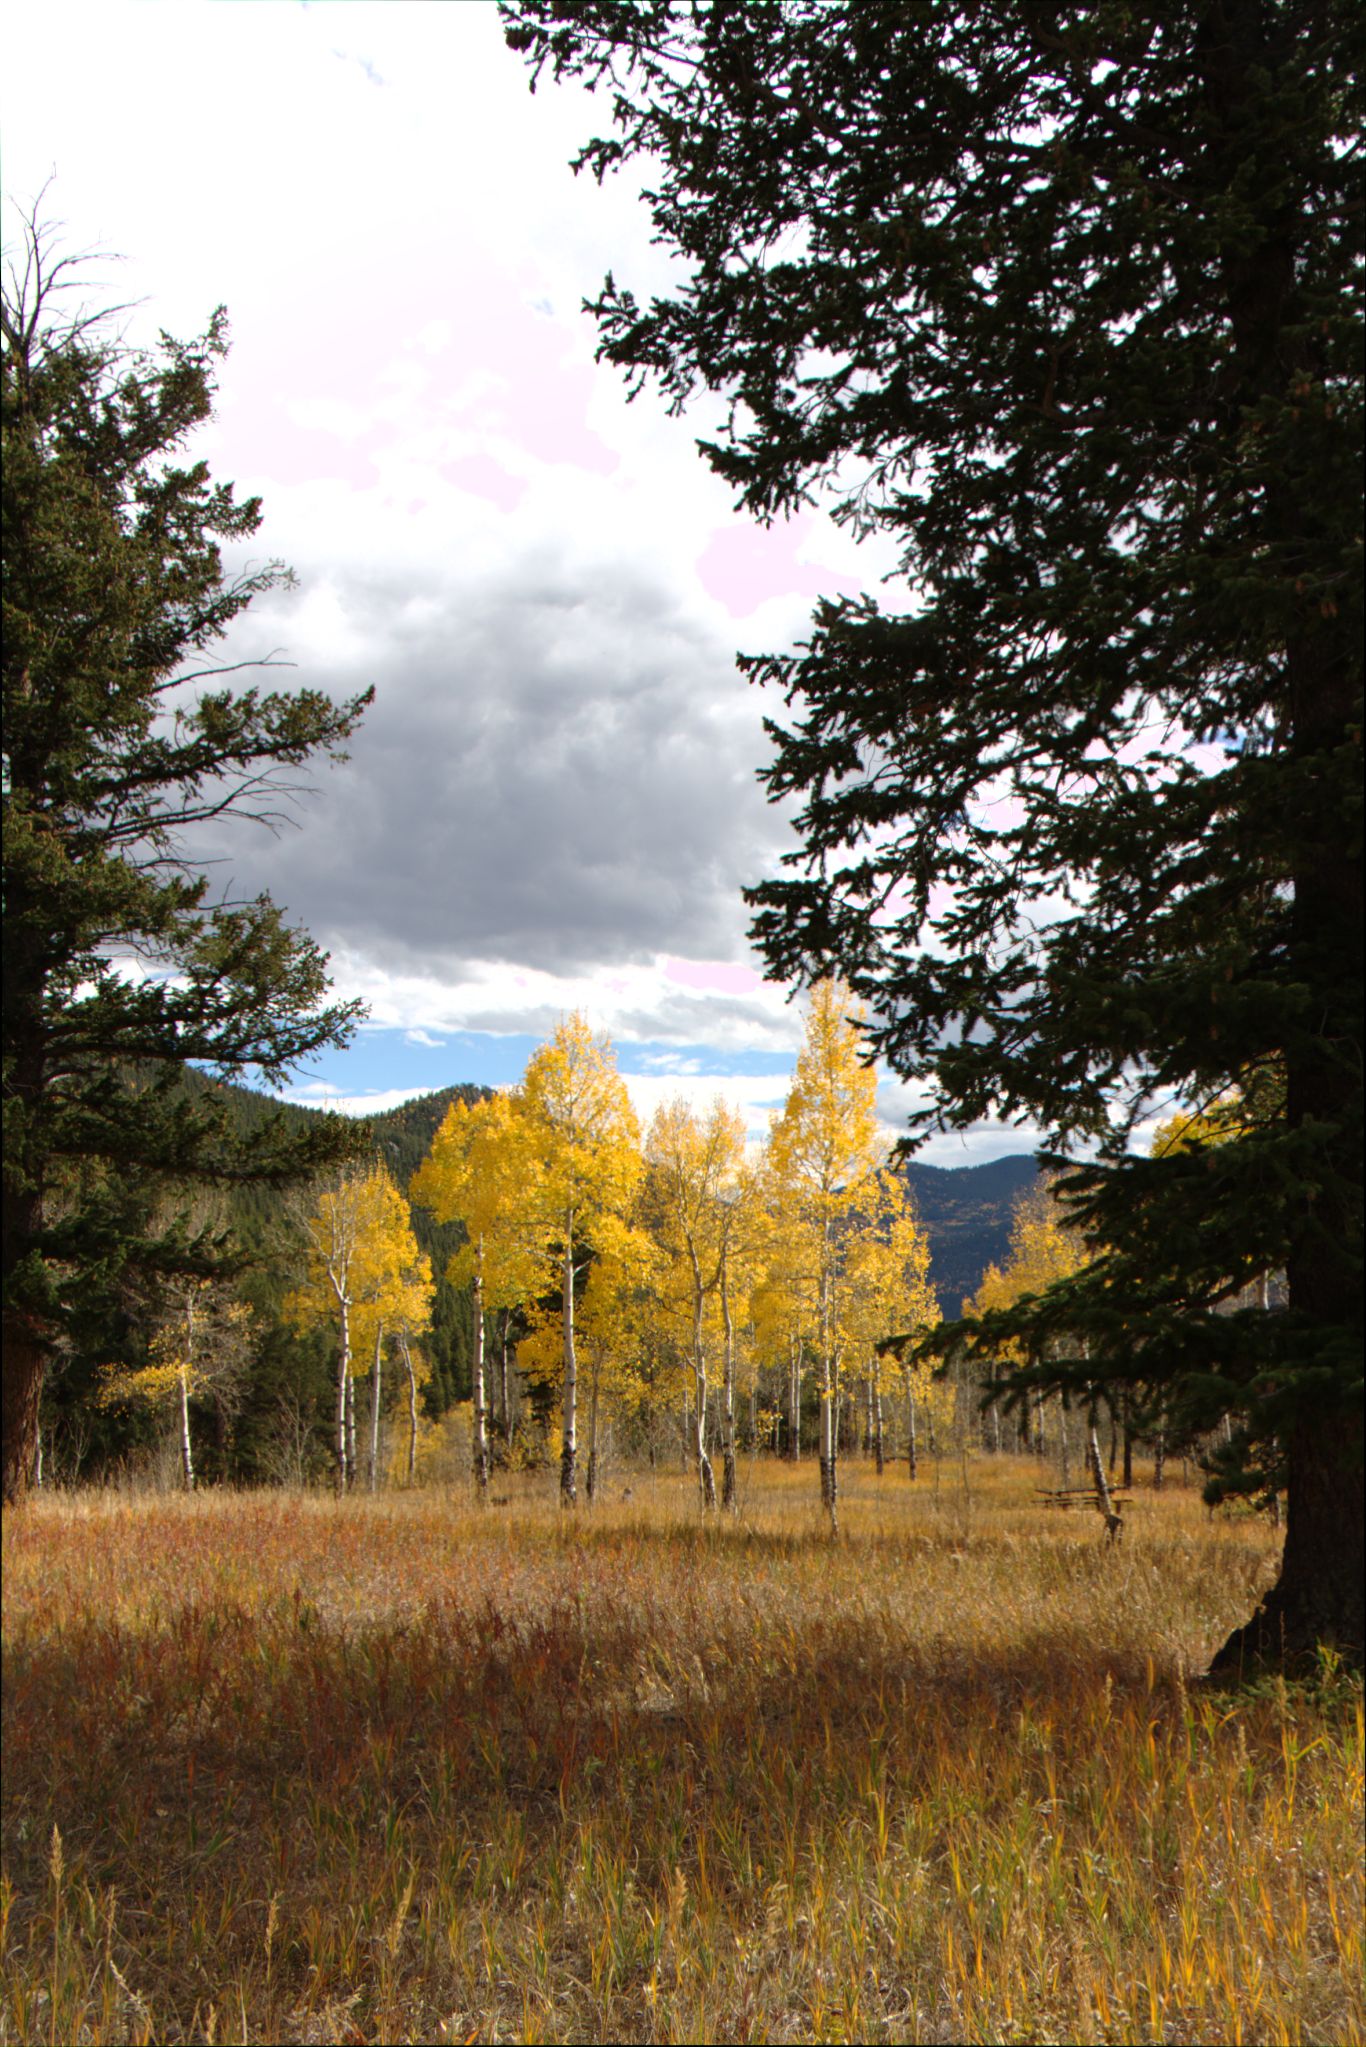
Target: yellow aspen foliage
{"x":693,"y":1188}
{"x":483,"y":1171}
{"x":201,"y":1346}
{"x":584,"y":1140}
{"x":363,"y":1273}
{"x":823,"y":1147}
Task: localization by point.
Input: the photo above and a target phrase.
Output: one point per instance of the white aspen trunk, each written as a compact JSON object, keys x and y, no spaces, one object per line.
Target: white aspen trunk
{"x":351,"y":1464}
{"x":503,"y":1376}
{"x":186,"y":1460}
{"x":879,"y":1451}
{"x":794,"y":1399}
{"x":829,"y":1443}
{"x":38,"y":1458}
{"x":372,"y":1471}
{"x":728,"y":1397}
{"x":592,"y":1485}
{"x":1104,"y":1506}
{"x":570,"y":1444}
{"x":481,"y":1439}
{"x":343,"y":1374}
{"x":412,"y":1405}
{"x":706,"y":1481}
{"x":829,"y":1476}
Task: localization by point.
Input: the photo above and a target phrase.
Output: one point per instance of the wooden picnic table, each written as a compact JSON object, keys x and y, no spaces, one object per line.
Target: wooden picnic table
{"x":1080,"y":1496}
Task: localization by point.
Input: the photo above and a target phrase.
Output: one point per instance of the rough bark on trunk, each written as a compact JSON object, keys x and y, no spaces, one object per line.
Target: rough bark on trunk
{"x":23,"y":1356}
{"x":1317,"y":1598}
{"x":569,"y":1444}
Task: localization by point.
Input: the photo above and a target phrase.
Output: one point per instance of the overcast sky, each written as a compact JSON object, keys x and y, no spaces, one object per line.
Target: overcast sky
{"x":552,"y":804}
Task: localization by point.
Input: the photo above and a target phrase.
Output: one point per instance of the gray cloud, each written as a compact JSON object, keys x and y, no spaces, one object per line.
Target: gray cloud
{"x":557,"y":774}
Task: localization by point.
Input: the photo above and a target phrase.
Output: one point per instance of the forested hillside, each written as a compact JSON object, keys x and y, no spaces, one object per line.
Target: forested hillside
{"x":966,"y":1212}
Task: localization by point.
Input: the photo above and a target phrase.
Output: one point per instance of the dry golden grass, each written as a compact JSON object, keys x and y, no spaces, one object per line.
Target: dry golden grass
{"x":282,"y":1769}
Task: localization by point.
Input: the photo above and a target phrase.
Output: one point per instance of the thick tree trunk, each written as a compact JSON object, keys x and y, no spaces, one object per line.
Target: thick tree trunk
{"x":1319,"y":1595}
{"x":1317,"y":1599}
{"x":569,"y":1443}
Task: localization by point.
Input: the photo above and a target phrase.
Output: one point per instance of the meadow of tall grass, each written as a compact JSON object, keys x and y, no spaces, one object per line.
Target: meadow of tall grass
{"x":284,"y":1768}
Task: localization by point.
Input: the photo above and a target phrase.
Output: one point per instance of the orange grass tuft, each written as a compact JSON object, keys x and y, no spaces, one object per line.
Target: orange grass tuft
{"x":385,"y":1770}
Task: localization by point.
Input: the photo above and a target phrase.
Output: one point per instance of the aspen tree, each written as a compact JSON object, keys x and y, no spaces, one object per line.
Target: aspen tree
{"x":822,"y":1149}
{"x":585,"y":1143}
{"x":202,"y":1345}
{"x":889,"y":1263}
{"x":1064,"y":304}
{"x":1043,"y":1252}
{"x":742,"y":1234}
{"x":394,"y":1286}
{"x":359,"y":1244}
{"x":693,"y":1169}
{"x":482,"y":1171}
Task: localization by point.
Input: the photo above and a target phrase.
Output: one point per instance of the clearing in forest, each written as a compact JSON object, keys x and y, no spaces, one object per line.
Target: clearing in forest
{"x":283,"y":1768}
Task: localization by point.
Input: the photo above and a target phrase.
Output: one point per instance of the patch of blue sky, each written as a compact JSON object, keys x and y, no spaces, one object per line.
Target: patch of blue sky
{"x":387,"y":1061}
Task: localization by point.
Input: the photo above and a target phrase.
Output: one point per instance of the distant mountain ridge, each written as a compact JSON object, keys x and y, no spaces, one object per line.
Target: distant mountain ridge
{"x":966,"y":1211}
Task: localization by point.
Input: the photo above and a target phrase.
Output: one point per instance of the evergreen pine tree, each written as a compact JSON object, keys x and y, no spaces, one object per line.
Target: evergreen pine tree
{"x":1067,"y":305}
{"x":119,"y":736}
